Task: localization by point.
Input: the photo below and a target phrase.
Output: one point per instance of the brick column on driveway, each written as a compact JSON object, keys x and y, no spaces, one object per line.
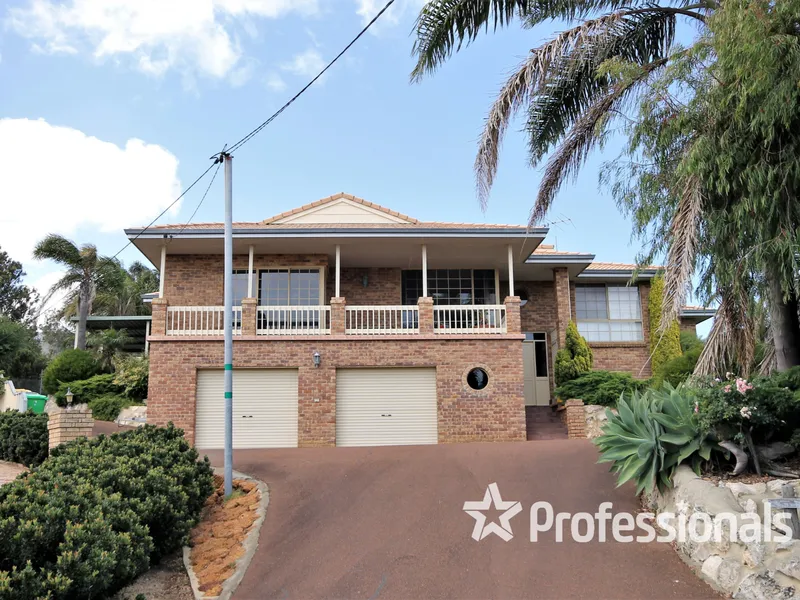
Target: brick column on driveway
{"x":338,"y":305}
{"x":576,"y":420}
{"x":159,"y":312}
{"x":561,"y":291}
{"x":249,"y":316}
{"x":513,"y":324}
{"x":69,"y":423}
{"x":425,"y":315}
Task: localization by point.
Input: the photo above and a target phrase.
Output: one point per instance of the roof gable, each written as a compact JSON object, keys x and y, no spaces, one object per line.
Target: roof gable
{"x":339,"y":209}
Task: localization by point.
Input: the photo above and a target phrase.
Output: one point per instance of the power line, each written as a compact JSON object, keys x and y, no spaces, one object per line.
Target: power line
{"x":255,"y":131}
{"x":210,"y":183}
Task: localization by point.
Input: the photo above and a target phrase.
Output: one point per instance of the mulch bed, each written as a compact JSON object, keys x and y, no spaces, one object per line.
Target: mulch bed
{"x":217,"y":540}
{"x":791,"y":464}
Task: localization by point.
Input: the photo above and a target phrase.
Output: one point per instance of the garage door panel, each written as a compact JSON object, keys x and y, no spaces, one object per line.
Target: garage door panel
{"x":264,"y":408}
{"x":379,"y":407}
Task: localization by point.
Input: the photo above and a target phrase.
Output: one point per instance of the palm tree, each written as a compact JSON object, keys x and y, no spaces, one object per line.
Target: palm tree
{"x":86,"y":271}
{"x":569,"y":87}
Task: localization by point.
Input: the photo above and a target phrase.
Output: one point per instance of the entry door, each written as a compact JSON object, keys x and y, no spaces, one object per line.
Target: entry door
{"x":536,"y":379}
{"x":386,"y":407}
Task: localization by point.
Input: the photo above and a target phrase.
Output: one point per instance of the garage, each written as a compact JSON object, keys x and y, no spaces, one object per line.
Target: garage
{"x":386,"y":407}
{"x":264,"y":408}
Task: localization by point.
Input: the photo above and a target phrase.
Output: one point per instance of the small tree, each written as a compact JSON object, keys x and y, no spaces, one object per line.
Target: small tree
{"x":575,"y":358}
{"x":667,"y":346}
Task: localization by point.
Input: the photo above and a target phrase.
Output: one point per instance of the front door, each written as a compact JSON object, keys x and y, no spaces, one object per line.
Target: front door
{"x":536,"y":374}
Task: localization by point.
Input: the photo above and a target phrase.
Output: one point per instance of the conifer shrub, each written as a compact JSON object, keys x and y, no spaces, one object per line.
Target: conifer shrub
{"x":574,"y":359}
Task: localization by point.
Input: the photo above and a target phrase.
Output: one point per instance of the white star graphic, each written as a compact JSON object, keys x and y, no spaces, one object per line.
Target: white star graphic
{"x":481,"y":530}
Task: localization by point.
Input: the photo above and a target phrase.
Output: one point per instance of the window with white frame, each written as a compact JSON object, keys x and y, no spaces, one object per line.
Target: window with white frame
{"x":289,"y":287}
{"x":609,"y":313}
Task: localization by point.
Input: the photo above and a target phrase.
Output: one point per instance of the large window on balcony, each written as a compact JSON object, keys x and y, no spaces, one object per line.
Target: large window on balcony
{"x":451,"y":286}
{"x":289,"y":287}
{"x":609,"y":313}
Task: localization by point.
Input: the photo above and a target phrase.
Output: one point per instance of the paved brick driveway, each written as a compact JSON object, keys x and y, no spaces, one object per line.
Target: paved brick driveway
{"x":9,"y":471}
{"x":388,"y":523}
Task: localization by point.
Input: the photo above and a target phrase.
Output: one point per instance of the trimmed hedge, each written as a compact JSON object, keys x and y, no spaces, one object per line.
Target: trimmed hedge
{"x":98,"y":513}
{"x":600,"y":387}
{"x":23,"y":437}
{"x":86,"y":390}
{"x":107,"y":408}
{"x":69,"y":366}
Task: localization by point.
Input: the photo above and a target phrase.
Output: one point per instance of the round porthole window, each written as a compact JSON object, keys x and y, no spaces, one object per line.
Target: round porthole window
{"x":477,"y":379}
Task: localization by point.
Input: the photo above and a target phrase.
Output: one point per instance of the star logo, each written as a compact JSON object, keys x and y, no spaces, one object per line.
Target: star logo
{"x":492,"y":497}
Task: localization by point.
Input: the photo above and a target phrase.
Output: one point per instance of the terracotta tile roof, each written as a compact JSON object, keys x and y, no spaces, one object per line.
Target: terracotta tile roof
{"x":608,"y":266}
{"x":338,"y":196}
{"x":412,"y":226}
{"x":549,"y":250}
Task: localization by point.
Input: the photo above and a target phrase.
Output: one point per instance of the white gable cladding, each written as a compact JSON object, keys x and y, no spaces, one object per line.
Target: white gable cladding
{"x":341,"y":211}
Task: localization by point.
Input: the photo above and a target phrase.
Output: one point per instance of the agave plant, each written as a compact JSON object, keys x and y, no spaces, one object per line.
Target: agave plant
{"x":653,"y":433}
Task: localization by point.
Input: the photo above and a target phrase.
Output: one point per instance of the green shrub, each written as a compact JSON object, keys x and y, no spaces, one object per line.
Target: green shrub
{"x":689,"y":341}
{"x":679,"y":369}
{"x":788,"y":379}
{"x":106,"y":408}
{"x":574,"y":359}
{"x":23,"y":437}
{"x":98,"y":512}
{"x":667,"y":346}
{"x":69,"y":366}
{"x":653,"y":433}
{"x":86,"y":390}
{"x":132,"y":374}
{"x":600,"y":387}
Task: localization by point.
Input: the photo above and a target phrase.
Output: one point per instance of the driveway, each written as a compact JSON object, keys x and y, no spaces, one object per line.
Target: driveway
{"x":388,"y":523}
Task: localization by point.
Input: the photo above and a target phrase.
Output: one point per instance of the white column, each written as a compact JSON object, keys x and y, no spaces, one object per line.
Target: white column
{"x":146,"y":335}
{"x":162,"y":273}
{"x":75,"y":345}
{"x":250,"y":274}
{"x":510,"y":271}
{"x":338,"y":269}
{"x":497,"y":297}
{"x":424,"y":271}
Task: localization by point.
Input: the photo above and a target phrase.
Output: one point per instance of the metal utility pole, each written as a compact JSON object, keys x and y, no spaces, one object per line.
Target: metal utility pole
{"x":228,"y":322}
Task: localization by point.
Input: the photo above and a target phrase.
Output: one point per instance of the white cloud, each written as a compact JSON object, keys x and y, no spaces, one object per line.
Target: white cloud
{"x":158,"y":35}
{"x":307,"y":63}
{"x":57,"y":179}
{"x":367,"y":9}
{"x":275,"y":82}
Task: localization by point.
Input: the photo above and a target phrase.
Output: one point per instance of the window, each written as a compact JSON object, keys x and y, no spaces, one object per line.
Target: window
{"x":609,"y":313}
{"x":477,"y":378}
{"x":451,"y":286}
{"x":239,"y":287}
{"x":289,"y":287}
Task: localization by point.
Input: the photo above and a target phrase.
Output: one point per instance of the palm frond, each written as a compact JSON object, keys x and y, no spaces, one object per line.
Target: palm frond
{"x":444,"y":26}
{"x":58,"y":249}
{"x":682,"y":251}
{"x":731,"y":342}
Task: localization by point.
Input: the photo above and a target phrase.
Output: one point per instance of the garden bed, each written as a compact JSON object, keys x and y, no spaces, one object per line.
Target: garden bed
{"x":225,"y":539}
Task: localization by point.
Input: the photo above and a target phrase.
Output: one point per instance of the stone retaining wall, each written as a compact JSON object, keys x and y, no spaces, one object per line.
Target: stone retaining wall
{"x":753,"y":571}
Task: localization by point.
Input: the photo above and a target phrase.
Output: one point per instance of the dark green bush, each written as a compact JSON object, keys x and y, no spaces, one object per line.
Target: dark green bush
{"x":600,"y":387}
{"x":69,"y":366}
{"x":788,"y":379}
{"x":23,"y":437}
{"x":106,"y":408}
{"x":86,"y":390}
{"x":678,"y":370}
{"x":98,"y":512}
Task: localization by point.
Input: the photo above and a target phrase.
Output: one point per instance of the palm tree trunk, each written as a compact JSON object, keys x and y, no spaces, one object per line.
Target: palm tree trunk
{"x":785,"y":323}
{"x":84,"y":302}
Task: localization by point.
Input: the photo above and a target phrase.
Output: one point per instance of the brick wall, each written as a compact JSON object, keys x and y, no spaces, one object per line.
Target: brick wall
{"x":383,"y":286}
{"x":69,"y":423}
{"x":495,"y":413}
{"x":688,"y":325}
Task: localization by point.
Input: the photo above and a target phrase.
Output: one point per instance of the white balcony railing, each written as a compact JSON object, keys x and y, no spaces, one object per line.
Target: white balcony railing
{"x":293,"y":320}
{"x":471,"y":318}
{"x":381,"y":320}
{"x":201,"y":320}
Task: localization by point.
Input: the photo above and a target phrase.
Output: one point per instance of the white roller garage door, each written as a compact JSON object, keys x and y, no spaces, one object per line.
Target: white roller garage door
{"x":386,"y":407}
{"x":264,"y":408}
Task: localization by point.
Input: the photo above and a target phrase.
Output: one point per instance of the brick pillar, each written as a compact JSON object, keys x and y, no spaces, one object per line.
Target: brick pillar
{"x":159,"y":311}
{"x":576,"y":420}
{"x":69,"y":423}
{"x":249,"y":316}
{"x":338,"y":305}
{"x":561,"y":290}
{"x":425,"y":316}
{"x":513,"y":324}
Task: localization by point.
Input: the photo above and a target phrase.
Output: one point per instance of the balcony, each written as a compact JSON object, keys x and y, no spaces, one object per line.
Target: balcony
{"x":338,"y":319}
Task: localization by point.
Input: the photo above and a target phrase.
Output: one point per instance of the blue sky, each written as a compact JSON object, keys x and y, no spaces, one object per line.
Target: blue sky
{"x":202,"y":73}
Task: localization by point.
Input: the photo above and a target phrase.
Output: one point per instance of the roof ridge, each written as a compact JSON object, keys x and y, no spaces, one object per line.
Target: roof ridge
{"x":339,"y":196}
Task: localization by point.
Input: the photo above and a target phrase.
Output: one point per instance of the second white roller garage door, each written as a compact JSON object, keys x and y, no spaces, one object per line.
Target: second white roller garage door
{"x":386,"y":407}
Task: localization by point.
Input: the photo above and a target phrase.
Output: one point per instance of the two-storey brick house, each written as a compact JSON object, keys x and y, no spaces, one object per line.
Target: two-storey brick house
{"x":357,"y":325}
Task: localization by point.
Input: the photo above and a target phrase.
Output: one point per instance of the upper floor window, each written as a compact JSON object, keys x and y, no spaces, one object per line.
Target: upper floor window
{"x":239,"y":286}
{"x":609,"y":313}
{"x":289,"y":287}
{"x":451,"y":286}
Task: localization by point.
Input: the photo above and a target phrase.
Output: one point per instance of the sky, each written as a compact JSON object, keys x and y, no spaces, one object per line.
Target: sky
{"x":109,"y":108}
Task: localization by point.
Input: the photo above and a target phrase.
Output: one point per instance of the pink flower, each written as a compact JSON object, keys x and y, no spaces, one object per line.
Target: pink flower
{"x":696,"y":406}
{"x":726,"y":389}
{"x":742,"y":386}
{"x":746,"y":412}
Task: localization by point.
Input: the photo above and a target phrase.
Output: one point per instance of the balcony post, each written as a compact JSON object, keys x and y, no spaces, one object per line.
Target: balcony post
{"x":510,"y":270}
{"x":513,"y":323}
{"x":250,"y":274}
{"x":159,"y":321}
{"x":249,"y":310}
{"x":338,"y":306}
{"x":162,"y":272}
{"x":338,"y":271}
{"x":425,"y":316}
{"x":424,"y":271}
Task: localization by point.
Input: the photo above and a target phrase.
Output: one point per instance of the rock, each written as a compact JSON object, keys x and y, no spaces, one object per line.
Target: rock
{"x":762,"y":587}
{"x":788,"y":545}
{"x":791,"y":568}
{"x":746,"y":489}
{"x":775,"y":485}
{"x":133,"y":415}
{"x":754,"y":554}
{"x":702,"y":552}
{"x":750,"y":506}
{"x":775,"y":451}
{"x":722,"y":572}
